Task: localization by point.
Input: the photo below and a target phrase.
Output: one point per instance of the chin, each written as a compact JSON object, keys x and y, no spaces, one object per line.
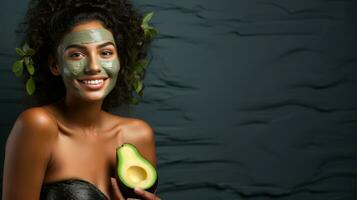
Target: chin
{"x":93,"y":96}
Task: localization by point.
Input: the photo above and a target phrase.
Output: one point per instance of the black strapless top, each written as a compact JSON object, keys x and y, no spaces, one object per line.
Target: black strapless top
{"x":71,"y":189}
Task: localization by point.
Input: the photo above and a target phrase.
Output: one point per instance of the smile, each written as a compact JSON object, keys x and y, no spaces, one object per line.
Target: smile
{"x":92,"y":84}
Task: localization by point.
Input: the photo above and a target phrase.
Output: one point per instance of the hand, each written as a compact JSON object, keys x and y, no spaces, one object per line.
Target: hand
{"x":145,"y":194}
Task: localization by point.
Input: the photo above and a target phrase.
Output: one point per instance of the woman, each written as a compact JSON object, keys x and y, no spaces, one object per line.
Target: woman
{"x":65,"y":149}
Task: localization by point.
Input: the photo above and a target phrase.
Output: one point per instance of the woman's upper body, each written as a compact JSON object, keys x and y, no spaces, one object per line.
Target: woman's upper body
{"x":73,"y":138}
{"x":43,"y":149}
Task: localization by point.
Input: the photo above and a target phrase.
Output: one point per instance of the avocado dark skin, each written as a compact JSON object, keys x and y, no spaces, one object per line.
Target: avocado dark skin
{"x":129,"y":192}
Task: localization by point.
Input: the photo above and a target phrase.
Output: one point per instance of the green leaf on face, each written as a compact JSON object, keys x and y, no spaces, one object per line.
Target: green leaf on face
{"x":30,"y":86}
{"x":30,"y":69}
{"x":17,"y":67}
{"x":20,"y":52}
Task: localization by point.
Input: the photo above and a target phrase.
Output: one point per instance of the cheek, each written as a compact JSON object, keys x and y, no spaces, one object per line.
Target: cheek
{"x":111,"y":67}
{"x":74,"y":68}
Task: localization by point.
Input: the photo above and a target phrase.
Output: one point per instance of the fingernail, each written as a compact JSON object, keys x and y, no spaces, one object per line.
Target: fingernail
{"x":138,"y":190}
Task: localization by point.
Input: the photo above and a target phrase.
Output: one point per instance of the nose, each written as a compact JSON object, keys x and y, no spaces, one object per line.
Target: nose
{"x":93,"y":67}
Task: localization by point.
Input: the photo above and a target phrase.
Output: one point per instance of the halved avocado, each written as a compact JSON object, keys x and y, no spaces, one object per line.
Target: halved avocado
{"x":133,"y":170}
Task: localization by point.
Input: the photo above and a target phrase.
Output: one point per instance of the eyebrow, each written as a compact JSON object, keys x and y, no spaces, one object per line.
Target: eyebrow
{"x":83,"y":47}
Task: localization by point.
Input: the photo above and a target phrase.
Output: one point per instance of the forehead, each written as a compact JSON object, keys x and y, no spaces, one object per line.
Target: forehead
{"x":88,"y":36}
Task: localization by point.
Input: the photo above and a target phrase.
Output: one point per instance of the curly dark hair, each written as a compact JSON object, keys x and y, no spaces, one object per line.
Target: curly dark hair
{"x":47,"y":21}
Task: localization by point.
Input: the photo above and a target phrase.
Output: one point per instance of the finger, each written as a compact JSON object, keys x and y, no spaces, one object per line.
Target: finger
{"x":147,"y":195}
{"x":117,"y":193}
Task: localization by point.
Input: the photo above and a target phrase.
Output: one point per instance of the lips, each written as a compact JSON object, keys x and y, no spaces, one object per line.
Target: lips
{"x":92,"y":83}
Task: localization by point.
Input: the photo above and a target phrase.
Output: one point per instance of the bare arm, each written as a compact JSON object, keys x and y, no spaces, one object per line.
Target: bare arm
{"x":27,"y":154}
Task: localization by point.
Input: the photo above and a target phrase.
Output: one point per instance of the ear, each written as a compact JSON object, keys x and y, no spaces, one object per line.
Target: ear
{"x":55,"y":70}
{"x":54,"y":66}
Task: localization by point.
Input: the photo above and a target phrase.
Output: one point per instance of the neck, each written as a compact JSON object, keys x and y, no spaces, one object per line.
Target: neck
{"x":82,"y":113}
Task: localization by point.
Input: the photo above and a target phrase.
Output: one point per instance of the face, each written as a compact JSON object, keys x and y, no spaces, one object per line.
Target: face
{"x":88,"y":61}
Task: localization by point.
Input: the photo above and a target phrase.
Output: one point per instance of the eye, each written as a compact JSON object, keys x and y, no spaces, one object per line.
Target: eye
{"x":75,"y":55}
{"x":106,"y":53}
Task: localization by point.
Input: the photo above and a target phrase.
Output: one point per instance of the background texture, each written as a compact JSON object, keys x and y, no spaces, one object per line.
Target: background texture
{"x":249,"y":99}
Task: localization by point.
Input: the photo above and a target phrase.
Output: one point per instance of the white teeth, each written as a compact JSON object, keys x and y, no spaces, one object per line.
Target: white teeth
{"x":92,"y":82}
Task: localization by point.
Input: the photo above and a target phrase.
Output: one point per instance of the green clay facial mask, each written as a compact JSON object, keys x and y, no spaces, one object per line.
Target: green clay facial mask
{"x":88,"y":36}
{"x":75,"y":67}
{"x":90,"y":42}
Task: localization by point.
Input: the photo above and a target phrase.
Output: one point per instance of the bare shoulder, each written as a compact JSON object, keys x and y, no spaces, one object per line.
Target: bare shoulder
{"x":137,"y":129}
{"x":35,"y":122}
{"x":139,"y":133}
{"x":131,"y":126}
{"x":38,"y":118}
{"x":28,"y":153}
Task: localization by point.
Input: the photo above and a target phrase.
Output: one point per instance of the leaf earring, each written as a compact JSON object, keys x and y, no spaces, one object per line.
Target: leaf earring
{"x":25,"y":60}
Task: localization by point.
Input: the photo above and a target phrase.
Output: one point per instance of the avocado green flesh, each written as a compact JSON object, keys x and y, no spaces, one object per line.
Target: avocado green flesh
{"x":133,"y":169}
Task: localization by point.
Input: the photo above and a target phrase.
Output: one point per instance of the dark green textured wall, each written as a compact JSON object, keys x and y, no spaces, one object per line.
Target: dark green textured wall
{"x":251,"y":99}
